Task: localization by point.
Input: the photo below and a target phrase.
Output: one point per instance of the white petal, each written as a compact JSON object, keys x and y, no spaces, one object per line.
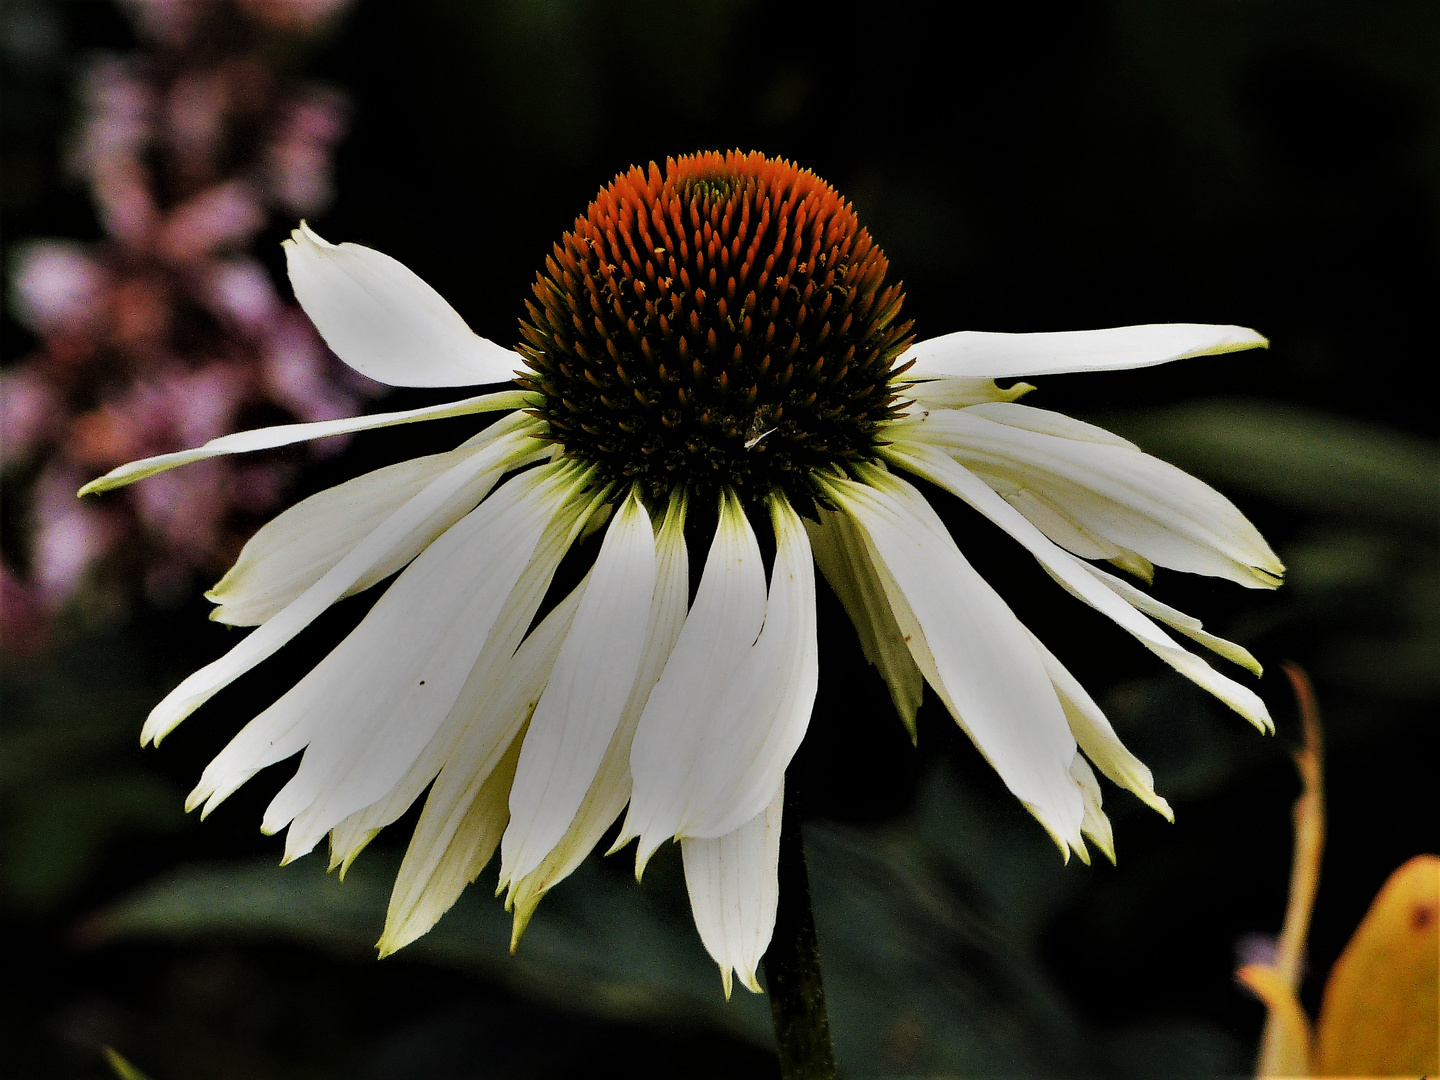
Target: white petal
{"x":292,"y":552}
{"x":841,"y":555}
{"x":733,"y":881}
{"x":1076,"y":576}
{"x":575,"y":721}
{"x":375,"y":702}
{"x":484,"y":684}
{"x":610,"y":790}
{"x":970,"y":646}
{"x":468,"y":806}
{"x":243,"y":442}
{"x":1106,"y":487}
{"x":429,"y":884}
{"x":377,"y":670}
{"x":724,"y":622}
{"x":472,"y":477}
{"x":759,"y":720}
{"x":959,"y":393}
{"x":1188,"y":625}
{"x":974,"y":354}
{"x":384,"y":321}
{"x":1096,"y":825}
{"x":1097,"y":738}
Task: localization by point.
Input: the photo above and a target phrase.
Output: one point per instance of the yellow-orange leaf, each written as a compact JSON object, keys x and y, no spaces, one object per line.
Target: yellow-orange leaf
{"x":1286,"y":1047}
{"x":1381,"y":1011}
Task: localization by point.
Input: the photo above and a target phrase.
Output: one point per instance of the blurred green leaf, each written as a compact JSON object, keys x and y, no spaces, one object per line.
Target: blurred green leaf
{"x":1294,"y":456}
{"x":928,"y":930}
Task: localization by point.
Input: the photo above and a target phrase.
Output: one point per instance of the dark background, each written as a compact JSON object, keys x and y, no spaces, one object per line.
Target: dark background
{"x":1026,"y":166}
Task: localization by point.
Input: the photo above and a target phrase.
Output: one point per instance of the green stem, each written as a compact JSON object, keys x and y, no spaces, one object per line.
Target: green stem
{"x":792,"y":965}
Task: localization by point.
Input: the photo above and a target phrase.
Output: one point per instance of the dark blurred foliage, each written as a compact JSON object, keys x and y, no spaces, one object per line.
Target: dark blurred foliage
{"x":1026,"y":166}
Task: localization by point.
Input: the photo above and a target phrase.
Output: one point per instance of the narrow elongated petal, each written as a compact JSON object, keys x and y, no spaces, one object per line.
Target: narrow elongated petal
{"x":1105,"y":487}
{"x":760,"y":717}
{"x":733,"y":881}
{"x":244,"y":442}
{"x":841,"y":555}
{"x":1097,"y":738}
{"x":1075,"y":576}
{"x":375,"y":702}
{"x":972,"y":649}
{"x":483,"y":684}
{"x":468,"y":806}
{"x":610,"y":790}
{"x":1188,"y":625}
{"x":384,"y":321}
{"x":1096,"y":824}
{"x":470,"y":478}
{"x":975,"y":354}
{"x":403,"y":662}
{"x":576,"y":719}
{"x":296,"y":549}
{"x":726,"y":618}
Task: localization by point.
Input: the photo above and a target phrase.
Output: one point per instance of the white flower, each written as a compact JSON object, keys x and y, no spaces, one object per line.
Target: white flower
{"x":634,"y":412}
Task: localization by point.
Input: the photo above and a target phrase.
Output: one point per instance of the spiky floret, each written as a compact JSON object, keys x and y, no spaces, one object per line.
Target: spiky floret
{"x":723,"y":323}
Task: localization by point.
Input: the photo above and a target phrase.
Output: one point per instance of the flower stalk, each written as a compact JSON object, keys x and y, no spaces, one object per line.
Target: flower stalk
{"x":792,"y":965}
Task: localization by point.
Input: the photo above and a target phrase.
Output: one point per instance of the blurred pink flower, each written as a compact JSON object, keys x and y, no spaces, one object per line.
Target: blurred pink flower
{"x":162,"y":334}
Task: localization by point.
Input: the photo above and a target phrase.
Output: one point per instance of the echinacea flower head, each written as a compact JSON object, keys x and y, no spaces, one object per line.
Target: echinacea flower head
{"x":714,"y":343}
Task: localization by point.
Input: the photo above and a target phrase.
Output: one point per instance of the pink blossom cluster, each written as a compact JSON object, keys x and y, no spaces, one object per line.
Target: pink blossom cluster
{"x":167,"y":332}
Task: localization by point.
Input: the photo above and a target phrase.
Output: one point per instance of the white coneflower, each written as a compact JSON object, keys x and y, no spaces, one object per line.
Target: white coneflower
{"x":717,"y":339}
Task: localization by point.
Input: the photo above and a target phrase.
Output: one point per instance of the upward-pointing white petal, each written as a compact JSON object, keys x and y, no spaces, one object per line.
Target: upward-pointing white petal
{"x":384,"y":321}
{"x":577,"y":716}
{"x":970,"y":646}
{"x":975,"y":354}
{"x":734,"y":887}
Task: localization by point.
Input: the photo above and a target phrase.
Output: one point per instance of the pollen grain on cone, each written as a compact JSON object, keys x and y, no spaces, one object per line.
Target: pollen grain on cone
{"x":723,"y":322}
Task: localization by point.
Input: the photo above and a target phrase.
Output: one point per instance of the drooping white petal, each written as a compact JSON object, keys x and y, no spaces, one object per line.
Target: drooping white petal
{"x":431,"y":886}
{"x":761,"y":715}
{"x":1096,"y":825}
{"x":610,"y":790}
{"x":724,"y":622}
{"x":1105,"y":487}
{"x":1075,"y":576}
{"x":970,"y":646}
{"x":733,"y":881}
{"x":469,"y":480}
{"x":975,"y":354}
{"x":1188,"y":625}
{"x":402,"y":663}
{"x":373,"y":705}
{"x":469,"y":804}
{"x":484,"y":683}
{"x":1097,"y":738}
{"x":244,"y":442}
{"x":841,"y":555}
{"x":384,"y":321}
{"x":576,"y":719}
{"x":289,"y":554}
